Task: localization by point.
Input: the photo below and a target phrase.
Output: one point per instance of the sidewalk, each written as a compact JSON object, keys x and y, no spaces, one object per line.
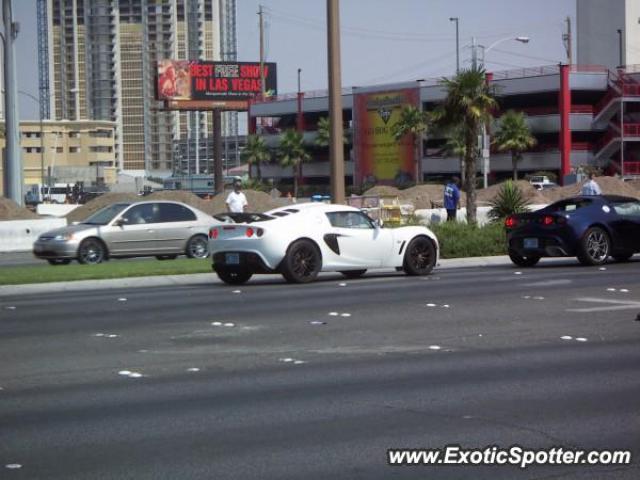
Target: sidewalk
{"x":198,"y":279}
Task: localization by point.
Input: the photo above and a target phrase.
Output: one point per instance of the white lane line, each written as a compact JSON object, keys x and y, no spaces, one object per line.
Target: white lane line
{"x":548,"y":283}
{"x":614,"y":305}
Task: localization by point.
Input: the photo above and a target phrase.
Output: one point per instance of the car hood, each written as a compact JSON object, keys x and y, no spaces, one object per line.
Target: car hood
{"x":68,"y":229}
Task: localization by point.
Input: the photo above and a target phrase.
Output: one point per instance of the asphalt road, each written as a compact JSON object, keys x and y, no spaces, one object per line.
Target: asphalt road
{"x":470,"y":356}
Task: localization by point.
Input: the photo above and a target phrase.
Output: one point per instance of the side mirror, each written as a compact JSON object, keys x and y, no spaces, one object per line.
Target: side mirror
{"x":121,"y":222}
{"x":379,"y":223}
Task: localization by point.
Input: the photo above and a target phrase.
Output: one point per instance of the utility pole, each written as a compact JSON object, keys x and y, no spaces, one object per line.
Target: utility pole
{"x":456,"y":19}
{"x":218,"y":176}
{"x":262,"y":86}
{"x":620,"y":59}
{"x":336,"y":149}
{"x":566,"y":37}
{"x":13,"y":162}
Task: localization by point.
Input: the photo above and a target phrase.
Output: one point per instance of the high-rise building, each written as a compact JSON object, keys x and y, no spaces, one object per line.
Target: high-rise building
{"x":101,"y":65}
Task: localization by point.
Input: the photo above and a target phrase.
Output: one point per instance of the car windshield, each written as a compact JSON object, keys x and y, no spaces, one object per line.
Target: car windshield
{"x":104,"y":216}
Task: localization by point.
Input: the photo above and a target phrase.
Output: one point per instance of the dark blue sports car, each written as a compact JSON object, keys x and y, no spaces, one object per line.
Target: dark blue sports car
{"x":592,"y":228}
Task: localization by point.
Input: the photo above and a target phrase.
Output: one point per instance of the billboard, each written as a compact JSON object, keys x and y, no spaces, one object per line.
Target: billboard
{"x":188,"y":80}
{"x":379,"y":159}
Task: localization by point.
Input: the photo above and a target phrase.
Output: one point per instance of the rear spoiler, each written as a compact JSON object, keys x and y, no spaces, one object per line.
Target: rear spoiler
{"x":244,"y":217}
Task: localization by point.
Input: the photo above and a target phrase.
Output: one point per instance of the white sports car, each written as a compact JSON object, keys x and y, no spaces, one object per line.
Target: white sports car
{"x":301,"y":240}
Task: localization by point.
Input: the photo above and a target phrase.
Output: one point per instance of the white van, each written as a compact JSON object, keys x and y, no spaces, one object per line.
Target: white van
{"x":39,"y":193}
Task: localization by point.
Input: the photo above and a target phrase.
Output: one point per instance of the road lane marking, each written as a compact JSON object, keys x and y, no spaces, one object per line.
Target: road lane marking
{"x":548,"y":283}
{"x":614,"y":305}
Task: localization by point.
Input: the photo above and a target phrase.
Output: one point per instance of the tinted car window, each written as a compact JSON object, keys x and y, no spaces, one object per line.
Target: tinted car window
{"x":105,"y":215}
{"x":570,"y":205}
{"x":627,"y":208}
{"x":172,"y":212}
{"x":145,"y":213}
{"x":349,"y":220}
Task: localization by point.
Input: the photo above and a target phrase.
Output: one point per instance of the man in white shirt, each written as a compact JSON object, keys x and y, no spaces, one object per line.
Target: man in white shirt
{"x":590,"y":187}
{"x":236,"y":200}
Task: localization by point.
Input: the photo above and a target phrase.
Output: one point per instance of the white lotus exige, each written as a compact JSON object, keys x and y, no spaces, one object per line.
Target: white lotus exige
{"x":301,"y":240}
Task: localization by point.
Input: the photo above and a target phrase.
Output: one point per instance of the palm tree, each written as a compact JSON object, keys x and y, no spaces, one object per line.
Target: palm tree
{"x":469,"y":103}
{"x":415,"y":122}
{"x":292,"y":153}
{"x":324,"y":133}
{"x":255,"y":152}
{"x":455,"y":147}
{"x":514,"y":136}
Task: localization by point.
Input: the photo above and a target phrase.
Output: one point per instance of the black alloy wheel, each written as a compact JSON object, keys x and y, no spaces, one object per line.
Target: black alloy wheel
{"x":595,"y":247}
{"x":420,"y":257}
{"x":302,"y":263}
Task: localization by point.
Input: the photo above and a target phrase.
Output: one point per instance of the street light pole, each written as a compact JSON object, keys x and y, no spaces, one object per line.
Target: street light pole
{"x":336,"y":149}
{"x":455,"y":19}
{"x":620,"y":60}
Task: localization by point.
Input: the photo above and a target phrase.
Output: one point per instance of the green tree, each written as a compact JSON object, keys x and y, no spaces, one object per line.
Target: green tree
{"x":324,"y":133}
{"x":255,"y":153}
{"x":455,"y":147}
{"x":514,"y":136}
{"x":415,"y":122}
{"x":292,"y":153}
{"x":469,"y":102}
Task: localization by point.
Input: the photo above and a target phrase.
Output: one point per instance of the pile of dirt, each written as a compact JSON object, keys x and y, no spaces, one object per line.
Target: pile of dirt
{"x":258,"y":202}
{"x":10,"y":210}
{"x":533,"y":196}
{"x":608,"y":185}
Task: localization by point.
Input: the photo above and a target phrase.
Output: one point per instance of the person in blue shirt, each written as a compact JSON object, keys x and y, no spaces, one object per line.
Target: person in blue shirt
{"x":452,"y":198}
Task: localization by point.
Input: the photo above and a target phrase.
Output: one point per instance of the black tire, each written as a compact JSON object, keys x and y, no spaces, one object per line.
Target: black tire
{"x":420,"y":257}
{"x":197,"y":247}
{"x":353,"y":273}
{"x":166,"y":257}
{"x":595,"y":247}
{"x":59,"y":261}
{"x":91,"y":252}
{"x":519,"y":260}
{"x":302,"y":263}
{"x":623,"y":257}
{"x":233,"y":277}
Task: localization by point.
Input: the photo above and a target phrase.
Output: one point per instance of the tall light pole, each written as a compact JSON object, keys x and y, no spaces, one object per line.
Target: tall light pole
{"x":299,"y":117}
{"x":13,"y":161}
{"x":620,"y":59}
{"x":485,"y":50}
{"x":456,"y":19}
{"x":336,"y":149}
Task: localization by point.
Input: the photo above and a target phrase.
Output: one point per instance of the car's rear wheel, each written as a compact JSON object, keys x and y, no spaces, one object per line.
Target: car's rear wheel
{"x":91,"y":252}
{"x":166,"y":257}
{"x":523,"y":261}
{"x":59,"y":261}
{"x":198,"y":247}
{"x":302,"y":263}
{"x":353,"y":273}
{"x":595,"y":247}
{"x":233,"y":277}
{"x":420,"y":257}
{"x":623,"y":257}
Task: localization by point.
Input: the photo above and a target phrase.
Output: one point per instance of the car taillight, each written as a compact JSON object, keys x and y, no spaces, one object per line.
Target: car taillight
{"x":249,"y":232}
{"x":510,"y":222}
{"x":213,"y":233}
{"x":548,"y":220}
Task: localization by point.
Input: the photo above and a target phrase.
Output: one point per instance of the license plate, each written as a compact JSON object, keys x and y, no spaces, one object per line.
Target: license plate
{"x":530,"y":243}
{"x":232,"y":258}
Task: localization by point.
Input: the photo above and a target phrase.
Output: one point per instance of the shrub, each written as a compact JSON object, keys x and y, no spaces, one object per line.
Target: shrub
{"x":508,"y":202}
{"x":459,"y":240}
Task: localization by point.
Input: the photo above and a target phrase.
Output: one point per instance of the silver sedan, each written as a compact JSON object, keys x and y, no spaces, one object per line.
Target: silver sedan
{"x":155,"y":228}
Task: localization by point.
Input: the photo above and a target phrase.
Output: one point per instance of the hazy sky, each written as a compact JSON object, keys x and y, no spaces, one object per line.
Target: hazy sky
{"x":382,"y":40}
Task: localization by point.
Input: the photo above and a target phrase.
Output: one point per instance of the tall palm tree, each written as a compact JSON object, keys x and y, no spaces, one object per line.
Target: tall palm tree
{"x":415,"y":122}
{"x":469,"y":103}
{"x":255,"y":152}
{"x":455,"y":147}
{"x":292,"y":153}
{"x":324,"y":133}
{"x":514,"y":136}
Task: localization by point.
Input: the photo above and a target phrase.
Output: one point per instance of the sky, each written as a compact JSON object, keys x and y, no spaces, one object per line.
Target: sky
{"x":382,"y":41}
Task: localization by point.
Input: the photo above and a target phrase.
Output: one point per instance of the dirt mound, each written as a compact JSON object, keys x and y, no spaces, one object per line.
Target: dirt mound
{"x":10,"y":210}
{"x":383,"y":191}
{"x":533,"y":196}
{"x":608,"y":185}
{"x":182,"y":197}
{"x":81,"y":213}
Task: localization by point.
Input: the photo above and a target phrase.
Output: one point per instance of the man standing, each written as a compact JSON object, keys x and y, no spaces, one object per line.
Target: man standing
{"x":236,"y":200}
{"x":452,"y":198}
{"x":590,"y":187}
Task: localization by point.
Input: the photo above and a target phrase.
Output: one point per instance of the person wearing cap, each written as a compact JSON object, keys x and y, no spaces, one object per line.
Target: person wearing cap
{"x":236,"y":200}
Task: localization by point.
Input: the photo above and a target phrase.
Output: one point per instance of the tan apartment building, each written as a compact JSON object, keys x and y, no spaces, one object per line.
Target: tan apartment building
{"x":73,"y":151}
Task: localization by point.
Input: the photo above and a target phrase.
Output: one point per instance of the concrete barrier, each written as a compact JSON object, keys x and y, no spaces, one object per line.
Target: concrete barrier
{"x":55,"y":209}
{"x":19,"y":235}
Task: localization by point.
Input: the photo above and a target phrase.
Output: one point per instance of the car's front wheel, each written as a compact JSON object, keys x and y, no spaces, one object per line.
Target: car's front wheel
{"x":595,"y":247}
{"x":91,"y":252}
{"x":302,"y":263}
{"x":523,"y":261}
{"x":59,"y":261}
{"x":198,"y":247}
{"x":353,"y":273}
{"x":233,"y":277}
{"x":420,"y":257}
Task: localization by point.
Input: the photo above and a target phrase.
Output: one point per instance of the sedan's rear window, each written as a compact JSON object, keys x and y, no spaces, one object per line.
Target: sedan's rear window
{"x":569,"y":205}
